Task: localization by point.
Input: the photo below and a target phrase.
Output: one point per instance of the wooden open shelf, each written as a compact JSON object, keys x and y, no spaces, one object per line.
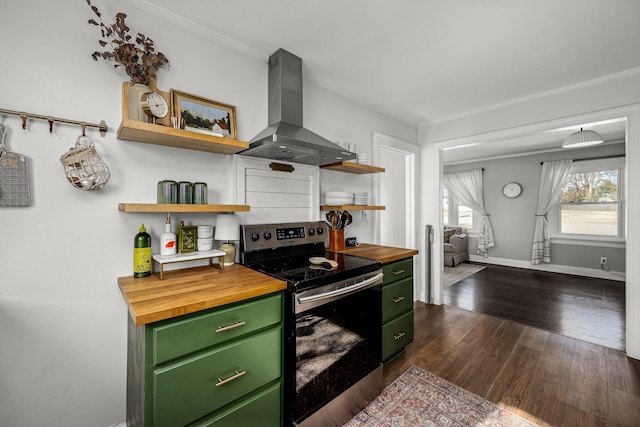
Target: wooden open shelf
{"x":352,"y":168}
{"x":170,"y":208}
{"x":160,"y":134}
{"x":352,"y":208}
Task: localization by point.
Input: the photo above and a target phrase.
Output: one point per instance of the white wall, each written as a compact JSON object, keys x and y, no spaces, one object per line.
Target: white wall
{"x":614,"y":97}
{"x":63,"y":320}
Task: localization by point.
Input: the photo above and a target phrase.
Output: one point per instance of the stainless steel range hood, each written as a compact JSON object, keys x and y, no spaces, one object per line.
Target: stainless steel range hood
{"x":285,"y":138}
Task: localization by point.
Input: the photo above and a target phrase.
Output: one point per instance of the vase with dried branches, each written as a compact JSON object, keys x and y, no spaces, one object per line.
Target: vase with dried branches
{"x":135,"y":54}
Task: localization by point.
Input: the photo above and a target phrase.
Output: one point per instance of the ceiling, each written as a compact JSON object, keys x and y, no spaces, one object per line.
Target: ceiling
{"x":426,"y":61}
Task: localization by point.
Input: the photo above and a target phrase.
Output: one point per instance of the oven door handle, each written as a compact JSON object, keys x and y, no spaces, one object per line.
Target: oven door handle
{"x":341,"y":291}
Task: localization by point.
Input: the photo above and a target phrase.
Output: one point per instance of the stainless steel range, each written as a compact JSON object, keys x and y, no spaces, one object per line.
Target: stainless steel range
{"x":333,"y":315}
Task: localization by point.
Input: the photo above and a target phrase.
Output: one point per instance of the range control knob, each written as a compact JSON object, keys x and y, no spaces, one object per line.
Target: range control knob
{"x":312,"y":232}
{"x":267,"y":235}
{"x":255,"y":236}
{"x":320,"y":230}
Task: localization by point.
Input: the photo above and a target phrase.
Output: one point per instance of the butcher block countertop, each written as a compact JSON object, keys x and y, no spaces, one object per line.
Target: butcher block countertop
{"x":189,"y":290}
{"x":384,"y":254}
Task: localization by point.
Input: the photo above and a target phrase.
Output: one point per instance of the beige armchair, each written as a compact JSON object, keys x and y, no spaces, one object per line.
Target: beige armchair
{"x":456,"y":245}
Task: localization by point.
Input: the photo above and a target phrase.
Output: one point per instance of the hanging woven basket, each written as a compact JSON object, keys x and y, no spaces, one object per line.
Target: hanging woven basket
{"x":83,"y":166}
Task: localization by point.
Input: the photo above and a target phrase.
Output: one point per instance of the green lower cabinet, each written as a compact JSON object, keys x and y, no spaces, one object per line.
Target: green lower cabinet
{"x":396,"y":334}
{"x":397,"y":308}
{"x":223,"y":362}
{"x":262,"y":409}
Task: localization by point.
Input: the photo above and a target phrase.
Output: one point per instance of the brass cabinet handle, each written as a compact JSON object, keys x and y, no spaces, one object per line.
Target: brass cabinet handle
{"x":400,"y":335}
{"x":398,"y":299}
{"x":231,"y":378}
{"x":395,"y":273}
{"x":232,"y":326}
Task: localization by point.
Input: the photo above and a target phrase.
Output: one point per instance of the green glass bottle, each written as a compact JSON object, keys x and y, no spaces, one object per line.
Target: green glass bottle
{"x":142,"y":253}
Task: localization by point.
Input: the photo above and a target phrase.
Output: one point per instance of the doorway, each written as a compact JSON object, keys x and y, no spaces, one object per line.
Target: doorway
{"x":632,"y":132}
{"x":396,"y":190}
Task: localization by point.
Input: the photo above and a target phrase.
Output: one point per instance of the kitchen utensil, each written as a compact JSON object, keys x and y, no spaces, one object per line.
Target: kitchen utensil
{"x":324,"y":262}
{"x":332,"y":217}
{"x":346,"y":219}
{"x":14,"y":176}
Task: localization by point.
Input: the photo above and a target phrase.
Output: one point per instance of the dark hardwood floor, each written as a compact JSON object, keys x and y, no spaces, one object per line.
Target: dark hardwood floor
{"x":547,"y":378}
{"x":588,"y":309}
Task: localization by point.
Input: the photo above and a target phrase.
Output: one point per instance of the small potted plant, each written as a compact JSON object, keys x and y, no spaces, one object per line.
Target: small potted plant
{"x":137,"y":56}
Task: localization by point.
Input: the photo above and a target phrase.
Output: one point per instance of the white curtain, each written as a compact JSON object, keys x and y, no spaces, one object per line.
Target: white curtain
{"x":551,"y":182}
{"x":466,"y":188}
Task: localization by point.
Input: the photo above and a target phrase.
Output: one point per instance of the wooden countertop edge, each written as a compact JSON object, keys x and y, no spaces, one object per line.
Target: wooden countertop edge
{"x":384,"y":254}
{"x":191,"y":290}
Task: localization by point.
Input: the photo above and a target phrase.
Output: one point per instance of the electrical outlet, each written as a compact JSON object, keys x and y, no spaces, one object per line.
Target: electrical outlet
{"x":603,"y":261}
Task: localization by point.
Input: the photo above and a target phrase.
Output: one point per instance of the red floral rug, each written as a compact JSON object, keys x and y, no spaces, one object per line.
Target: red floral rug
{"x":420,"y":398}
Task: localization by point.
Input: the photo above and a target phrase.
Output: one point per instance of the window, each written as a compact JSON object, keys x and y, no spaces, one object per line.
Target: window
{"x":455,"y":213}
{"x":590,"y":205}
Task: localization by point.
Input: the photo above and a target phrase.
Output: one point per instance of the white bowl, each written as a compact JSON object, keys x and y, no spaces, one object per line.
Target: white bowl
{"x":205,"y":231}
{"x":205,"y":244}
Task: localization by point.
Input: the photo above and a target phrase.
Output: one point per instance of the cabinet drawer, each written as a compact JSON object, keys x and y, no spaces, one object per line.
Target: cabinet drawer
{"x":397,"y":298}
{"x":194,"y":387}
{"x":261,"y":409}
{"x":396,"y":335}
{"x":397,"y":270}
{"x":177,"y":338}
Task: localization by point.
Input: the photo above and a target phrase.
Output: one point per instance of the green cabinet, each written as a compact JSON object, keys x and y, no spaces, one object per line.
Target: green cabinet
{"x":397,"y":308}
{"x":218,"y":367}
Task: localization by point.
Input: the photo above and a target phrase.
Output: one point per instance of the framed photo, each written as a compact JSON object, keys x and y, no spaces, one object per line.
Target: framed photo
{"x":197,"y":114}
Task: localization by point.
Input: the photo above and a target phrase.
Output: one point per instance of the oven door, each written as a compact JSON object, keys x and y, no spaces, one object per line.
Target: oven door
{"x":338,"y":331}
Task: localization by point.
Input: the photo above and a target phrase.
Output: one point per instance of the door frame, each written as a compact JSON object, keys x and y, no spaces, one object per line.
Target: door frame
{"x":412,"y":155}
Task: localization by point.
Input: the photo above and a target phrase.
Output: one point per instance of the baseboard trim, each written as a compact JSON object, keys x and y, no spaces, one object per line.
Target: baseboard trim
{"x":553,"y":268}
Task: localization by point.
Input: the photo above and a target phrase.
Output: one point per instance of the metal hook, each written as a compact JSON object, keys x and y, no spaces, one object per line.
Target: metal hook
{"x":23,"y":116}
{"x":50,"y":120}
{"x":84,"y":127}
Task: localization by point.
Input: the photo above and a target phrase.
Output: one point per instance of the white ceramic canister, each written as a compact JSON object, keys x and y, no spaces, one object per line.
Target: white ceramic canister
{"x":205,"y":244}
{"x":205,"y":231}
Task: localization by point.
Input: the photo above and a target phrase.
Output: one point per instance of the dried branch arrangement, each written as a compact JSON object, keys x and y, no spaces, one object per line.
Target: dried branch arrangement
{"x":137,"y":56}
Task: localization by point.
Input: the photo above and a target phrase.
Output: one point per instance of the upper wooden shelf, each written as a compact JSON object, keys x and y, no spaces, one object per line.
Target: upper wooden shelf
{"x":150,"y":133}
{"x":164,"y":134}
{"x":168,"y":208}
{"x":353,"y":168}
{"x":352,"y":208}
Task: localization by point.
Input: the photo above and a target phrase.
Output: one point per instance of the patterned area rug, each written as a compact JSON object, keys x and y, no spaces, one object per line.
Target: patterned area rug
{"x":420,"y":398}
{"x":455,"y":274}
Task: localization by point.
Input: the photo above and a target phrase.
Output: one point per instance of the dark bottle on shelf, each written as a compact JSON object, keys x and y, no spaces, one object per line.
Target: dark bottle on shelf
{"x":142,"y":253}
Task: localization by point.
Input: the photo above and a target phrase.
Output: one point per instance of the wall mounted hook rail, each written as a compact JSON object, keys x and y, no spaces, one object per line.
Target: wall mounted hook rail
{"x":102,"y":126}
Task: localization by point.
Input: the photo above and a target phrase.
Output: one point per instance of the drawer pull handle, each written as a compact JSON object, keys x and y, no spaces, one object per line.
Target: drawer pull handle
{"x":231,"y":378}
{"x":400,"y":335}
{"x":395,"y":273}
{"x":398,"y":299}
{"x":232,"y":326}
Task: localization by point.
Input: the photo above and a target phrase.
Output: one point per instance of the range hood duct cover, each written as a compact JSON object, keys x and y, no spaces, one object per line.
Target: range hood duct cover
{"x":285,"y":138}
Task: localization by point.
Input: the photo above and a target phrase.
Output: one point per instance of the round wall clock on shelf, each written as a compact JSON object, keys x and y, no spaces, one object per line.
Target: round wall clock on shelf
{"x":512,"y":190}
{"x":154,"y":105}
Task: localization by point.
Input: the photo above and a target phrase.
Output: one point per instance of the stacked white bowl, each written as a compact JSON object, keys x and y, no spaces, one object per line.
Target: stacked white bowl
{"x":336,"y":198}
{"x":363,"y":159}
{"x":361,"y":199}
{"x":205,"y":238}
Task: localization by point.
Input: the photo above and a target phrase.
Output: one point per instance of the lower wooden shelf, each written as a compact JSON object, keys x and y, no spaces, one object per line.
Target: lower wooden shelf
{"x":352,"y":208}
{"x":169,"y":208}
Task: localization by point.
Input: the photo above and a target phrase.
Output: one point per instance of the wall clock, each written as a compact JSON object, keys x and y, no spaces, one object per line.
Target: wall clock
{"x":512,"y":190}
